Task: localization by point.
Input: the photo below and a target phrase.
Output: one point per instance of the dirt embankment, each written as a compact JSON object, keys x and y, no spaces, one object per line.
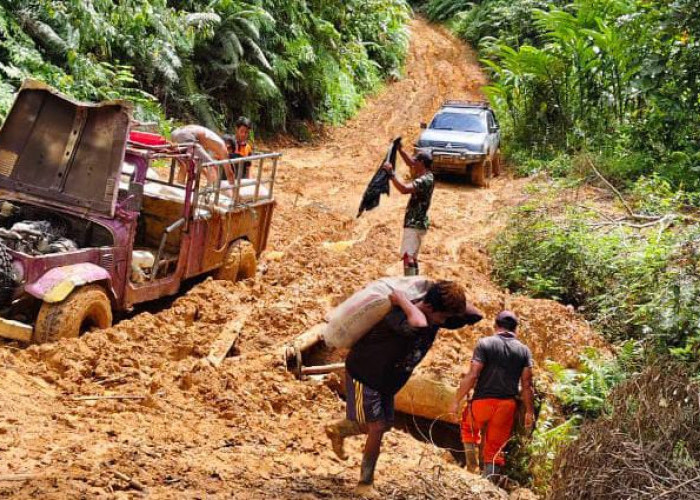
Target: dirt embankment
{"x":248,"y":429}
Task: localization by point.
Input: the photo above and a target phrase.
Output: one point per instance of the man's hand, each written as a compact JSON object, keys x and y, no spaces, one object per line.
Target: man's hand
{"x":397,"y":297}
{"x":529,"y":420}
{"x":387,"y":166}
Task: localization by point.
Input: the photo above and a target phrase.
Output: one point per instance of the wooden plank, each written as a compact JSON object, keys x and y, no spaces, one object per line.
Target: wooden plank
{"x":224,"y":342}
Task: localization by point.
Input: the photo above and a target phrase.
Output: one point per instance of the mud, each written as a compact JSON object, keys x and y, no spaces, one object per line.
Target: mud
{"x":248,"y":429}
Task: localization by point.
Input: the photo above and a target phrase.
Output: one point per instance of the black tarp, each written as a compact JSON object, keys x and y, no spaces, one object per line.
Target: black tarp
{"x":380,"y":182}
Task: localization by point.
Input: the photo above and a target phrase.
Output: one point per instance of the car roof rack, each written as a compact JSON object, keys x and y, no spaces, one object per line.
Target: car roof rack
{"x":466,"y":103}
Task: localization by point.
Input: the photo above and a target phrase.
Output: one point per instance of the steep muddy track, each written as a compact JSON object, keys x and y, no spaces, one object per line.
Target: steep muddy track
{"x":248,"y":429}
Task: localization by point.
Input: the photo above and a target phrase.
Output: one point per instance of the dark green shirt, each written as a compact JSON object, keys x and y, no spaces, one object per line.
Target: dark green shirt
{"x":418,"y":205}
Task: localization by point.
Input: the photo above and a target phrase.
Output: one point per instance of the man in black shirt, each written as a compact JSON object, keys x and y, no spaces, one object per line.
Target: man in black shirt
{"x":382,"y":361}
{"x":500,"y":364}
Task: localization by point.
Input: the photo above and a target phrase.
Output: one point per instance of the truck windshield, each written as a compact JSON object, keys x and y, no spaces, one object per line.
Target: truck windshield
{"x":460,"y":122}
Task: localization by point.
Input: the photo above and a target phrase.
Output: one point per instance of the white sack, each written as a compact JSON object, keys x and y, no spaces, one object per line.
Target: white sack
{"x":352,"y":319}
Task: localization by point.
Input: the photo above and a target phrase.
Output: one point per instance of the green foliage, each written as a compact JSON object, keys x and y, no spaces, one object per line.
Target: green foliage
{"x":212,"y":60}
{"x":632,"y":284}
{"x":618,"y":78}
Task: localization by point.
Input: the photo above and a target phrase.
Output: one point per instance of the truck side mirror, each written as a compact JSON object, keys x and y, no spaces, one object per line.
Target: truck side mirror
{"x":423,"y":125}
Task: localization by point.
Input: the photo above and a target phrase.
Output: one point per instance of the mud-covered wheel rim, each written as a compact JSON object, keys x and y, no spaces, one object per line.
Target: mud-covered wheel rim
{"x":249,"y":261}
{"x":240,"y":262}
{"x":479,"y":175}
{"x":85,"y":309}
{"x":497,"y":163}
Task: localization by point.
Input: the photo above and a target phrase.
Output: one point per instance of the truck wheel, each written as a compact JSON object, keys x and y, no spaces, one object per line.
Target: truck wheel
{"x":497,"y":163}
{"x":240,"y":262}
{"x":85,"y":308}
{"x":7,"y":280}
{"x":249,"y":261}
{"x":481,"y":173}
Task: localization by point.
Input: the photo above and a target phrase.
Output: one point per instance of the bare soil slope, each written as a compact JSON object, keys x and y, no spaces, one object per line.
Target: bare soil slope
{"x":248,"y":429}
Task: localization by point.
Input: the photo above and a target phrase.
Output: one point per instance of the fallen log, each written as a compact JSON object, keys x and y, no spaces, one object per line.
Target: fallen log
{"x":424,"y":397}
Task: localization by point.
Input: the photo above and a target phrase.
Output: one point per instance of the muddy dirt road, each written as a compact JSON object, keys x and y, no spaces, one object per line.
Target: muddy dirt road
{"x":248,"y":429}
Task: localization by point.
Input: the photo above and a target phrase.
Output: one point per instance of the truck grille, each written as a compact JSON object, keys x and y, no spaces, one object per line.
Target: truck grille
{"x":107,"y":261}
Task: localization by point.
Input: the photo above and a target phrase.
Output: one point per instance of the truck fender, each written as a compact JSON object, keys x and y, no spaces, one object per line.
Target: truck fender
{"x":56,"y":284}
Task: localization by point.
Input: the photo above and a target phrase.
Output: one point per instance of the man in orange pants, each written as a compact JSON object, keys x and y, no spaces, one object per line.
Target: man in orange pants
{"x":499,"y":364}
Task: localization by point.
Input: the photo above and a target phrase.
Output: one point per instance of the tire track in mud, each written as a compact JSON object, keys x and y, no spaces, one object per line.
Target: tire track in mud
{"x":248,"y":429}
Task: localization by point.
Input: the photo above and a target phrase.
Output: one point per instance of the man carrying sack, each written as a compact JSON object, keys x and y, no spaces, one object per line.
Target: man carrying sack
{"x":499,"y":364}
{"x":380,"y":363}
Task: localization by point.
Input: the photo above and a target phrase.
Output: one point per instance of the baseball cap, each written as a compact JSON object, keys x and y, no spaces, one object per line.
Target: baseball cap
{"x":507,"y":319}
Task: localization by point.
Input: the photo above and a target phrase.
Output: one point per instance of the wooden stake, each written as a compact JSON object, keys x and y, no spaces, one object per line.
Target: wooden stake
{"x":132,"y":482}
{"x":106,"y":396}
{"x":21,"y":477}
{"x":224,"y":342}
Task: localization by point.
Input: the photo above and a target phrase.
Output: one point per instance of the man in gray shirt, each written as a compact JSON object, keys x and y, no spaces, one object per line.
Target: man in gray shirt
{"x":501,"y":368}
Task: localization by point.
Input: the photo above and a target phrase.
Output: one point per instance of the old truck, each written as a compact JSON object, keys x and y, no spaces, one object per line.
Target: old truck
{"x":92,"y":220}
{"x":464,"y":139}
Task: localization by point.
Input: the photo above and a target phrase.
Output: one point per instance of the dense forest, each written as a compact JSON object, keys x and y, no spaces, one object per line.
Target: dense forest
{"x":279,"y":62}
{"x":604,"y":93}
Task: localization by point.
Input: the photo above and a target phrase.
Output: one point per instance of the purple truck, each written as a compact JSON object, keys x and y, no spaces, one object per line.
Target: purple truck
{"x":93,"y":220}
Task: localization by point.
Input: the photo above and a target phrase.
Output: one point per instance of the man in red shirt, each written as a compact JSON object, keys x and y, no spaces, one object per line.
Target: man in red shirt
{"x":500,"y":364}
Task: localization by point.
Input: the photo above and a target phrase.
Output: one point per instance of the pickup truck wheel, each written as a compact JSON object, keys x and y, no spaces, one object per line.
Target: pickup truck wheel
{"x":240,"y":262}
{"x":85,"y":308}
{"x":481,"y":173}
{"x":497,"y":163}
{"x":249,"y":261}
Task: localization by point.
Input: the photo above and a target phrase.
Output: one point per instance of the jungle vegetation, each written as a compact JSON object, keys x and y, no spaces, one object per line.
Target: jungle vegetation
{"x":603,"y":93}
{"x":279,"y":62}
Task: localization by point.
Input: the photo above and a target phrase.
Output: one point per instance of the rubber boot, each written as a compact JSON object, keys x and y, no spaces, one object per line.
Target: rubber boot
{"x":338,"y":431}
{"x":365,"y":488}
{"x":471,"y":454}
{"x":492,"y":472}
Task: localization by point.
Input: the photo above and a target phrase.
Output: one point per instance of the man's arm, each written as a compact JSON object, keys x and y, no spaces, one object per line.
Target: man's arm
{"x":414,"y":316}
{"x":528,"y":395}
{"x":400,"y":186}
{"x":406,"y":158}
{"x":467,"y":384}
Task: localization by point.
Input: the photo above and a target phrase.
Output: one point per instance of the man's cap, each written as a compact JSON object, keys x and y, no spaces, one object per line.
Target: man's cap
{"x":470,"y":316}
{"x":424,"y":156}
{"x":244,"y":122}
{"x":507,"y":319}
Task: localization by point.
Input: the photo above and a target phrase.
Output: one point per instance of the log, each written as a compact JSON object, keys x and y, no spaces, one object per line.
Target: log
{"x":425,"y":397}
{"x":310,"y":337}
{"x":224,"y":342}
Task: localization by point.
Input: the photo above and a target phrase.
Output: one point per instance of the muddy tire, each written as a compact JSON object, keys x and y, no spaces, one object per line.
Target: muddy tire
{"x":85,"y":308}
{"x":481,"y":173}
{"x":497,"y":163}
{"x":7,"y":280}
{"x":249,"y":261}
{"x":240,"y":262}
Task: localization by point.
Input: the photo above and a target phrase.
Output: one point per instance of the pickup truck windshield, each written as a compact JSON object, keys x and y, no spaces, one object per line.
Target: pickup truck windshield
{"x":459,"y":122}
